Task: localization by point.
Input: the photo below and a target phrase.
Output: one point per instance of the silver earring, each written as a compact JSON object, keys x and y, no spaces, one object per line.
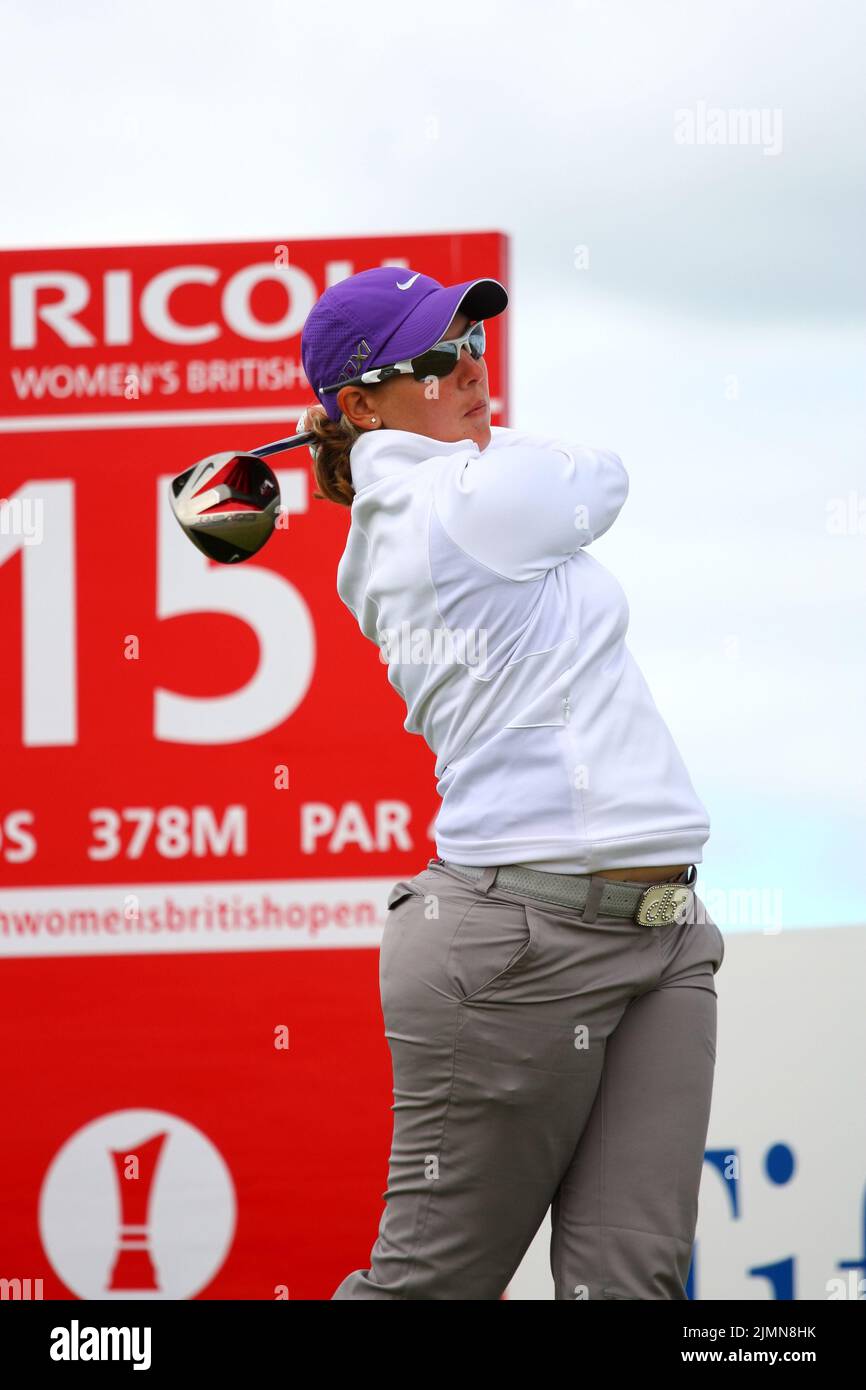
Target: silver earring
{"x":372,"y":419}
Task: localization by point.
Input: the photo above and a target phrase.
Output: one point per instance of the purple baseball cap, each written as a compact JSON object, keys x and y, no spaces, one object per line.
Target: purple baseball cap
{"x":382,"y":316}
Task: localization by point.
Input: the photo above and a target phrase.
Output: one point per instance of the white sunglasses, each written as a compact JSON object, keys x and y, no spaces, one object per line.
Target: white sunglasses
{"x":439,"y":360}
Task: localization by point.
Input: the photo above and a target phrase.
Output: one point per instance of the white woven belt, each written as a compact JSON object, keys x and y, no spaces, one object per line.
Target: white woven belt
{"x":658,"y":905}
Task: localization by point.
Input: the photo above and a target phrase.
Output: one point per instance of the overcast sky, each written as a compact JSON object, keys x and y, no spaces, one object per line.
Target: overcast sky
{"x":713,"y":338}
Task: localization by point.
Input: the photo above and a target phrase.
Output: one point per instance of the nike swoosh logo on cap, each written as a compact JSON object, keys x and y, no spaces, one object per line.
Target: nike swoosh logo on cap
{"x":408,"y":282}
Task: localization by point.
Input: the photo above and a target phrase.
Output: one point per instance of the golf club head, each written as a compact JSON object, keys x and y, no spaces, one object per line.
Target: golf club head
{"x":227,"y":504}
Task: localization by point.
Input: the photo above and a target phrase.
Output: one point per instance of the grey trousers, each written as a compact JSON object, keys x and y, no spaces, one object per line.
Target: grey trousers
{"x":540,"y":1062}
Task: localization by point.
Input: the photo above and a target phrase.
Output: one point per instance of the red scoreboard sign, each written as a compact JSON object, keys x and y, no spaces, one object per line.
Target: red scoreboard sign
{"x":207,"y":789}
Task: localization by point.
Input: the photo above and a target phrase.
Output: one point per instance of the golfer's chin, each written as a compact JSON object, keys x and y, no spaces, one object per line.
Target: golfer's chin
{"x":477,"y":428}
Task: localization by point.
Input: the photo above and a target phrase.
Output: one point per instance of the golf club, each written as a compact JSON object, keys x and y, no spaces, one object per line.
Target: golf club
{"x":228,"y":503}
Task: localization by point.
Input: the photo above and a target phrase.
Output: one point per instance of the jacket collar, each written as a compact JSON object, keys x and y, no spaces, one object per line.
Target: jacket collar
{"x":379,"y":453}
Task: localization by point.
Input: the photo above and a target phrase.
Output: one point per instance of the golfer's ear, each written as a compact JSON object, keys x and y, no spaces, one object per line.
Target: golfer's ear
{"x":524,"y":508}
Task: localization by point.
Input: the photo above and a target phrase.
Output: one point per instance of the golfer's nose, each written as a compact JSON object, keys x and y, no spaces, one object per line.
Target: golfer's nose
{"x":469,"y":367}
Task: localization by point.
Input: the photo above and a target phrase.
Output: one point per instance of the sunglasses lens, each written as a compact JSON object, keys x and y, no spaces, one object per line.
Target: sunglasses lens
{"x":433,"y":363}
{"x":442,"y":359}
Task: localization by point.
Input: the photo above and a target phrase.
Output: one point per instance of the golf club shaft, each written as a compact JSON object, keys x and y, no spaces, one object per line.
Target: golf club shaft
{"x":277,"y":447}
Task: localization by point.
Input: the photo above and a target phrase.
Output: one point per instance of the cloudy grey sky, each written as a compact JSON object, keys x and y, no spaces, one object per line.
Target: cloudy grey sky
{"x":711,"y":331}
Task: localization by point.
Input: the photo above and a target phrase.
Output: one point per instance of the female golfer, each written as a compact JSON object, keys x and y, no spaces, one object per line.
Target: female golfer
{"x":547,"y":981}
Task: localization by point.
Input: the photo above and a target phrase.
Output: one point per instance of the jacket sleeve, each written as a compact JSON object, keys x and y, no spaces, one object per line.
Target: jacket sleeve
{"x":527,"y":504}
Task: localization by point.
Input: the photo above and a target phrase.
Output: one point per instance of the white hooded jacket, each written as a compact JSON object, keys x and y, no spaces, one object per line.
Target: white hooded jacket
{"x":506,"y":640}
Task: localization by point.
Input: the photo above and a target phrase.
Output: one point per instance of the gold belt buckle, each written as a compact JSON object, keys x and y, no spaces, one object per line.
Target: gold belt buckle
{"x":661,"y":904}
